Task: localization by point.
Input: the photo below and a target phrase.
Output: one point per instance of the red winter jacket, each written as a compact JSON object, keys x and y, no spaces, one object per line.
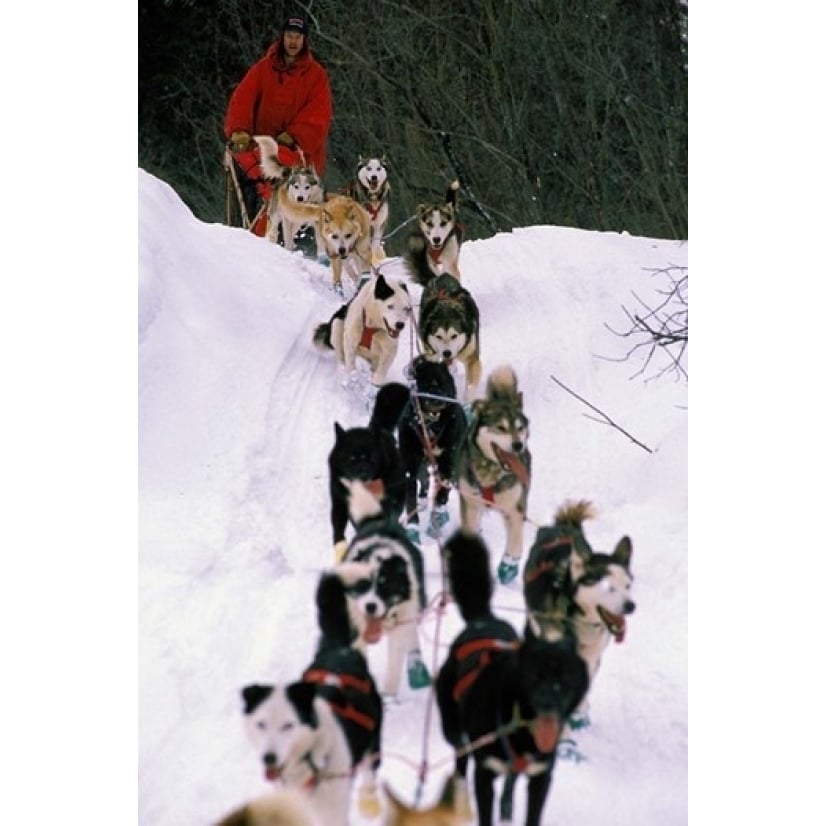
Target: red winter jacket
{"x":274,"y":98}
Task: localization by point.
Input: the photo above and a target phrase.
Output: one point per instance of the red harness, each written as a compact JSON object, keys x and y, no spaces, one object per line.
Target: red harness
{"x":486,"y":648}
{"x":323,"y":677}
{"x":367,"y":333}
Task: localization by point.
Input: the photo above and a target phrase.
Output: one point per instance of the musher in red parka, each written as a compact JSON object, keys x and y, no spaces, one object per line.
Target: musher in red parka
{"x":286,"y":95}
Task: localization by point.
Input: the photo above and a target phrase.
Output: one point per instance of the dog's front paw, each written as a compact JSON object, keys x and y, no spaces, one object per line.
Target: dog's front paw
{"x":438,"y":519}
{"x":579,"y":720}
{"x":412,"y":532}
{"x":417,"y":674}
{"x":368,"y":802}
{"x":568,"y":750}
{"x":507,"y":570}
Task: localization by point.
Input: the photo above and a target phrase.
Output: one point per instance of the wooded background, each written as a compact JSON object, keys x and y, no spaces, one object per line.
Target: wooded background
{"x":548,"y":112}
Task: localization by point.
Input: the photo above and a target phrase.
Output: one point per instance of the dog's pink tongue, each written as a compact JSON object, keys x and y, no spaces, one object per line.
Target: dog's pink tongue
{"x":615,"y":623}
{"x":514,"y":464}
{"x":546,"y":732}
{"x":373,"y":630}
{"x":376,"y":487}
{"x":272,"y":773}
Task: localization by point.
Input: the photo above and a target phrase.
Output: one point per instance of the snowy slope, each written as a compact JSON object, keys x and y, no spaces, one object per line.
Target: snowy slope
{"x":235,"y":423}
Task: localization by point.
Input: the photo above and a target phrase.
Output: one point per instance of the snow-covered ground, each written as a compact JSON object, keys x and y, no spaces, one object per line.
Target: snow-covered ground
{"x":236,"y":413}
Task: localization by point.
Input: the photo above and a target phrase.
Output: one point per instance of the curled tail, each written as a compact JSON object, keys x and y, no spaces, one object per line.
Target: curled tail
{"x":333,"y":614}
{"x":391,"y":401}
{"x":573,"y":514}
{"x":452,"y":195}
{"x":468,"y":567}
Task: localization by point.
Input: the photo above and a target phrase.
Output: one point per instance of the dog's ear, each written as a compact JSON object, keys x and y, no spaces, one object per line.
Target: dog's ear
{"x":301,"y":695}
{"x":422,"y":210}
{"x":622,"y":553}
{"x":254,"y":695}
{"x":362,"y":160}
{"x":339,"y":430}
{"x":382,"y":289}
{"x":384,"y":162}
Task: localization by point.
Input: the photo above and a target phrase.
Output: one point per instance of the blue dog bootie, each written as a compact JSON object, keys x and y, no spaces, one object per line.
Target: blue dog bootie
{"x":438,"y":519}
{"x":507,"y":570}
{"x":417,"y":674}
{"x":569,"y":750}
{"x":412,"y":532}
{"x":579,"y":720}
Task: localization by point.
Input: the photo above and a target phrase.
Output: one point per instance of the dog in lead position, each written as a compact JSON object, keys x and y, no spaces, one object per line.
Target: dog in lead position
{"x":371,"y":189}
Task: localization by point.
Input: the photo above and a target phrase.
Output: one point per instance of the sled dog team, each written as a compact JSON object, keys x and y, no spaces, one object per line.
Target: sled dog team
{"x":506,"y":699}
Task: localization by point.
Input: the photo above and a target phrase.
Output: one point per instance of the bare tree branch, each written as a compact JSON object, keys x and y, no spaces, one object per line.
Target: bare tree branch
{"x":605,"y":419}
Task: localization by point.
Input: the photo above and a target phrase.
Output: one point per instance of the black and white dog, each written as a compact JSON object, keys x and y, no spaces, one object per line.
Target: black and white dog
{"x":315,"y":734}
{"x":371,"y":189}
{"x":492,"y":681}
{"x":371,"y":455}
{"x":390,"y":599}
{"x":430,"y":430}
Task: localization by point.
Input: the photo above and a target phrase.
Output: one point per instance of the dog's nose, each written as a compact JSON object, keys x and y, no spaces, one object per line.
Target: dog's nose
{"x":371,"y":608}
{"x":270,"y":759}
{"x":517,"y":446}
{"x":629,"y":607}
{"x":399,"y":325}
{"x":446,"y":354}
{"x":300,"y":198}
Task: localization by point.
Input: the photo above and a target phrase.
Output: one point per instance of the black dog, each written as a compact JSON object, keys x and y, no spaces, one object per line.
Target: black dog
{"x":371,"y":455}
{"x":431,"y":427}
{"x":493,"y":682}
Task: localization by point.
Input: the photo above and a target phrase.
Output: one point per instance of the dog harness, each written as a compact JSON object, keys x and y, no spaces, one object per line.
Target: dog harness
{"x":367,"y":333}
{"x":474,"y":656}
{"x":347,"y":710}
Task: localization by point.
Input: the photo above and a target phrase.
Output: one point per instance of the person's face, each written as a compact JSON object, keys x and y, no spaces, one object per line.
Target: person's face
{"x":293,"y":43}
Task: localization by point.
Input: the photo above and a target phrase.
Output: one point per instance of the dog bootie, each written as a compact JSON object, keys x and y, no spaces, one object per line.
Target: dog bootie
{"x":568,"y":750}
{"x":412,"y":532}
{"x":417,"y":674}
{"x":338,"y":289}
{"x":438,"y":519}
{"x":579,"y":720}
{"x":507,"y":570}
{"x":368,"y":802}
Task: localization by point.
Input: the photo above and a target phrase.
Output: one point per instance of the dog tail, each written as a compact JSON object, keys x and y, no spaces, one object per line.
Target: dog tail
{"x":391,"y":401}
{"x":331,"y":605}
{"x":574,"y":514}
{"x":415,"y":258}
{"x":502,"y":383}
{"x":452,"y":195}
{"x":468,"y":566}
{"x":321,"y":337}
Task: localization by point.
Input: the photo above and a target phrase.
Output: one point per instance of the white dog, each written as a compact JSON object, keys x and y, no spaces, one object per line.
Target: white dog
{"x":368,"y":326}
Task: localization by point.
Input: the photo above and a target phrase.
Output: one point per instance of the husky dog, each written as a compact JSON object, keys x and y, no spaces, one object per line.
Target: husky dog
{"x":317,"y":733}
{"x":389,"y":601}
{"x":452,"y":808}
{"x":368,"y":326}
{"x":430,"y":430}
{"x":342,"y":227}
{"x":448,"y":326}
{"x":301,"y":184}
{"x":371,"y":455}
{"x":493,"y":465}
{"x":372,"y":190}
{"x":565,"y":580}
{"x":433,"y":247}
{"x":283,"y":807}
{"x":492,"y":681}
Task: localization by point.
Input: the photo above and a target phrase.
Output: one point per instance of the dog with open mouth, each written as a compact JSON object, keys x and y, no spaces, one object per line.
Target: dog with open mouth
{"x":524,"y":690}
{"x":566,"y":580}
{"x":322,"y":734}
{"x":368,"y":327}
{"x":493,"y":465}
{"x":388,"y":601}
